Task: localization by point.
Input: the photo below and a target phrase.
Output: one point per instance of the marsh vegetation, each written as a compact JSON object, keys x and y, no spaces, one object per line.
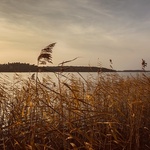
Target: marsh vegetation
{"x":106,"y":113}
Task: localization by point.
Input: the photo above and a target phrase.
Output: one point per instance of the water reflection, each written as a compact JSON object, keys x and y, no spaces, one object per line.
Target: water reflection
{"x":66,"y":75}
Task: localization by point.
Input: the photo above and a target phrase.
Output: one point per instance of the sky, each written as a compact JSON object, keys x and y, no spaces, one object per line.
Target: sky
{"x":95,"y":31}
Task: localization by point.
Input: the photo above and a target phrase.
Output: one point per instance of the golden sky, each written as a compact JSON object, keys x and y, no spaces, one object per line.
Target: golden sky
{"x":93,"y":30}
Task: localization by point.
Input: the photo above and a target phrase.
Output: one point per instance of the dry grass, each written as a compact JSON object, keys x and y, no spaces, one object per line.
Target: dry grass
{"x":106,"y":113}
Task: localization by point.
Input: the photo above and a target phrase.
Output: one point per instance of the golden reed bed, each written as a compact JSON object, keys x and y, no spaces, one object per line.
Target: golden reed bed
{"x":104,"y":113}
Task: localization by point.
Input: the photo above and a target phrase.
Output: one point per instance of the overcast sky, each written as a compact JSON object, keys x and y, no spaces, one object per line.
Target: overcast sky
{"x":93,"y":30}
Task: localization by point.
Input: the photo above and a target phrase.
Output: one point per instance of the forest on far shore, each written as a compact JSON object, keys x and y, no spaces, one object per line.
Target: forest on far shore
{"x":25,"y":67}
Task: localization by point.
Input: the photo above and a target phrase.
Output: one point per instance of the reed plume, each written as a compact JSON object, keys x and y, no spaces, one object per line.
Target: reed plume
{"x":144,"y":64}
{"x":45,"y":55}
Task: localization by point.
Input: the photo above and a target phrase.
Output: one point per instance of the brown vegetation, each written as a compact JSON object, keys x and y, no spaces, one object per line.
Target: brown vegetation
{"x":106,"y":113}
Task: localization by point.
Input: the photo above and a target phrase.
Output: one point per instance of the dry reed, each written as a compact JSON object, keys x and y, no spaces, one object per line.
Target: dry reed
{"x":106,"y":113}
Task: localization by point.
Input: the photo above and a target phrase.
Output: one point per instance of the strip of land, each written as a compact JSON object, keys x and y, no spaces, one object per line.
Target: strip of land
{"x":25,"y":67}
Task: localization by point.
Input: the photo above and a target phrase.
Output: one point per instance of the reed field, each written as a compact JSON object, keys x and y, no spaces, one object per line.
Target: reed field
{"x":104,"y":113}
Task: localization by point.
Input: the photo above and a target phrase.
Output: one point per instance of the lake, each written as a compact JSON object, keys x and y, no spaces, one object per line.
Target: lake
{"x":10,"y":77}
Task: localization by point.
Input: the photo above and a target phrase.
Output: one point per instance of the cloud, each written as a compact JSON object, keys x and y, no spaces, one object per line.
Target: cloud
{"x":101,"y":28}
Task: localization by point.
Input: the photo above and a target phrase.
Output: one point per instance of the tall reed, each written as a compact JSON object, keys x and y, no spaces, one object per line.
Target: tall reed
{"x":109,"y":112}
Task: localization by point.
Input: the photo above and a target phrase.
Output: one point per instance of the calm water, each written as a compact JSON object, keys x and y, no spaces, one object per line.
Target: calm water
{"x":66,"y":75}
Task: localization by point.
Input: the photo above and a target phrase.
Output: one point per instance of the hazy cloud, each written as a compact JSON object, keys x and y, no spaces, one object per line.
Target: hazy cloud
{"x":116,"y":29}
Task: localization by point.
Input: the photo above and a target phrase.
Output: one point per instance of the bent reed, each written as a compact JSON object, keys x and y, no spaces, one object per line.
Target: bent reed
{"x":109,"y":112}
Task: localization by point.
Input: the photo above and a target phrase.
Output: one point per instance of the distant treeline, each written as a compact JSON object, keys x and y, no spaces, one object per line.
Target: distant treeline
{"x":18,"y":67}
{"x":25,"y":67}
{"x":74,"y":69}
